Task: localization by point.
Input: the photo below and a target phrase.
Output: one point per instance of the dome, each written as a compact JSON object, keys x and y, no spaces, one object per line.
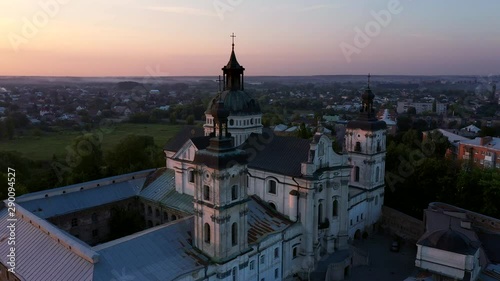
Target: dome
{"x":237,"y":102}
{"x":449,"y":240}
{"x":219,"y":111}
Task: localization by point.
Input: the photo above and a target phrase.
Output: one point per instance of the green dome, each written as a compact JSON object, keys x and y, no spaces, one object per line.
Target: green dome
{"x":237,"y":102}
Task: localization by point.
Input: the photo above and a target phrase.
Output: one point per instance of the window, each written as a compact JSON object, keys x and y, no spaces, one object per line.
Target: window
{"x":94,"y":217}
{"x":262,"y":259}
{"x":276,"y":273}
{"x":234,"y":234}
{"x":276,"y":253}
{"x":320,"y":213}
{"x":379,"y":148}
{"x":191,"y":176}
{"x":234,"y":273}
{"x":335,"y":208}
{"x":234,"y":192}
{"x":174,"y":217}
{"x":356,"y":174}
{"x":357,"y":147}
{"x":231,"y":122}
{"x":252,"y":265}
{"x":377,"y":174}
{"x":157,"y":213}
{"x":351,"y":221}
{"x":95,"y":233}
{"x":357,"y":218}
{"x":206,"y":192}
{"x":361,"y":216}
{"x":150,"y":210}
{"x":294,"y":252}
{"x":272,"y":205}
{"x":74,"y":222}
{"x":271,"y":187}
{"x":206,"y":232}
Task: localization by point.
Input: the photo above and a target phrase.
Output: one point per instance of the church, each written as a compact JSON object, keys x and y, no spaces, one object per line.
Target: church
{"x":234,"y":202}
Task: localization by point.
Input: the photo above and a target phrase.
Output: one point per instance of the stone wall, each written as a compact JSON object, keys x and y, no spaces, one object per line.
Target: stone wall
{"x":398,"y":223}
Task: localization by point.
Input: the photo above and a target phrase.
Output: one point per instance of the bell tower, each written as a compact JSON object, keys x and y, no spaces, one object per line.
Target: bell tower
{"x":365,"y":143}
{"x":220,"y":197}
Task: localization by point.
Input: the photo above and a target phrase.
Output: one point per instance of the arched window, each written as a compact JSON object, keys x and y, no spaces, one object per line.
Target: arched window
{"x":356,"y":174}
{"x":191,"y":176}
{"x":272,"y":205}
{"x":377,"y":174}
{"x":234,"y":192}
{"x":357,"y":148}
{"x":271,"y":186}
{"x":206,"y":233}
{"x":335,"y":208}
{"x":174,"y":217}
{"x":320,"y":213}
{"x":234,"y":234}
{"x":206,"y":192}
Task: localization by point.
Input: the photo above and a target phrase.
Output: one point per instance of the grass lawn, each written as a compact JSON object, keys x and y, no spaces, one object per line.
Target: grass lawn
{"x":43,"y":147}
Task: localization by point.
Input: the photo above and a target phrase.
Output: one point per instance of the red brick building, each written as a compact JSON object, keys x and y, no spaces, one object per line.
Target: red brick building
{"x":482,"y":151}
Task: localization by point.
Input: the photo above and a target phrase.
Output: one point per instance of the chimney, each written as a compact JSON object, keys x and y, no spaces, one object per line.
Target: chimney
{"x":485,"y":140}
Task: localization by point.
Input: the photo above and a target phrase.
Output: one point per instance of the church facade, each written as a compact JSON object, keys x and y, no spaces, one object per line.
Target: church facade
{"x":329,"y":198}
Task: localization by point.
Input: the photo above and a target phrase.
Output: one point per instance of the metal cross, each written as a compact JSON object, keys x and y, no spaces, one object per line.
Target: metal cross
{"x":232,"y":36}
{"x":219,"y":80}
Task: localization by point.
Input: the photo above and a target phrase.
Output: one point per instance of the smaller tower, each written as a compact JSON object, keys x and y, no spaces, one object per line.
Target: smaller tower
{"x":220,"y":198}
{"x":365,"y":142}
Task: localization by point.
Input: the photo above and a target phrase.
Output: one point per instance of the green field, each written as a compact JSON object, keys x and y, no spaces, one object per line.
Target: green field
{"x":43,"y":147}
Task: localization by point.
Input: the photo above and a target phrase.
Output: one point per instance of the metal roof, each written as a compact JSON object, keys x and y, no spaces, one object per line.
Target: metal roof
{"x":40,"y":257}
{"x":160,"y":187}
{"x":262,"y":220}
{"x":160,"y":253}
{"x":66,"y":203}
{"x":267,"y":155}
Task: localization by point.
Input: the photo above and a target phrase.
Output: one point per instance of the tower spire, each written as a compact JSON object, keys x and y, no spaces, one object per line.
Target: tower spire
{"x":369,"y":80}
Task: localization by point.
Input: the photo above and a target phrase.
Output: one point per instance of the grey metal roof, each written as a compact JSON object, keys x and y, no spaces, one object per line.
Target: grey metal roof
{"x":160,"y":253}
{"x":262,"y":220}
{"x":76,"y":201}
{"x":278,"y":154}
{"x":39,"y":257}
{"x":160,"y":187}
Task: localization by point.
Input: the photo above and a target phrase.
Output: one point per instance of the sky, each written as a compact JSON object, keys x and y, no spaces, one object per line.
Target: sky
{"x":278,"y":37}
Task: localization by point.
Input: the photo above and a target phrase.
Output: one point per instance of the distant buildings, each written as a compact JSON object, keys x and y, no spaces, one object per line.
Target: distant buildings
{"x":420,"y":107}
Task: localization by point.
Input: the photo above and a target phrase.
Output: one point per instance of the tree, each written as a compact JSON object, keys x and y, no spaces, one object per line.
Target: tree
{"x":85,"y":158}
{"x":133,"y":153}
{"x":190,"y":120}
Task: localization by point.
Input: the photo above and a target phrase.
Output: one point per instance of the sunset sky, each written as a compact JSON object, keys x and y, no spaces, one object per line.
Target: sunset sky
{"x":278,"y":37}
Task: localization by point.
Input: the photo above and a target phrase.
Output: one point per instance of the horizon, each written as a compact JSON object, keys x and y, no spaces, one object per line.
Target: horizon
{"x":63,"y":38}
